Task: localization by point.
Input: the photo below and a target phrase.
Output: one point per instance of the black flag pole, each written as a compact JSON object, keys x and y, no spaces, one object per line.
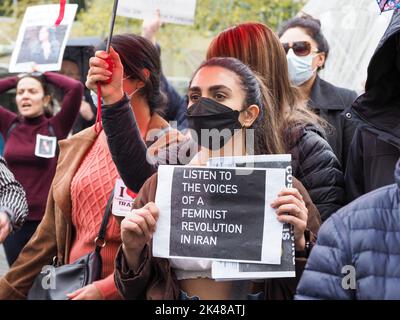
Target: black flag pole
{"x":98,"y":124}
{"x":112,"y":23}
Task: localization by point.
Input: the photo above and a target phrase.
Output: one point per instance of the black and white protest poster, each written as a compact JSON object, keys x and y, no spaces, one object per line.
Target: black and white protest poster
{"x":171,"y":11}
{"x":40,"y":44}
{"x":219,"y":214}
{"x":236,"y":271}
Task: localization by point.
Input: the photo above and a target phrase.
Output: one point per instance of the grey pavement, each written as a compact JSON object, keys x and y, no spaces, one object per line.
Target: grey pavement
{"x":3,"y":262}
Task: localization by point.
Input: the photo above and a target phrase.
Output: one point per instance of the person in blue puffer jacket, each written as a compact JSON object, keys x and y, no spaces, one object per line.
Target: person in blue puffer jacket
{"x":357,"y":255}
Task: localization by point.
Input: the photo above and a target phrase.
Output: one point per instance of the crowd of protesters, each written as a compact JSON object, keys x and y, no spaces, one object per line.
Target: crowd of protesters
{"x":343,"y":149}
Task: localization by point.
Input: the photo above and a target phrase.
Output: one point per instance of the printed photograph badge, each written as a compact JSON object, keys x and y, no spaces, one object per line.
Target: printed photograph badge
{"x":45,"y":146}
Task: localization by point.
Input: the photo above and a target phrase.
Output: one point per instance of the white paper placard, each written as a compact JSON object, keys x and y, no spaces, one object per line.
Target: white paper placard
{"x":218,"y":214}
{"x":171,"y":11}
{"x":228,"y":271}
{"x":39,"y":42}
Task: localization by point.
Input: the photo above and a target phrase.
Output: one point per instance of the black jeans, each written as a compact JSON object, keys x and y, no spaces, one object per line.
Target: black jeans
{"x":16,"y":241}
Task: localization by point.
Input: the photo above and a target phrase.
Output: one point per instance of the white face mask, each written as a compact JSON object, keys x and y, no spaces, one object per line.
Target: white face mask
{"x":300,"y":68}
{"x":130,"y":95}
{"x":133,"y":93}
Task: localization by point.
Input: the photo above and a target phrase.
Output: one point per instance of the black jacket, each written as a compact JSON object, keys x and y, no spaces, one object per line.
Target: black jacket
{"x":376,"y":145}
{"x":80,"y":122}
{"x":126,"y":145}
{"x":329,"y":102}
{"x":316,"y":166}
{"x":175,"y":109}
{"x":176,"y":105}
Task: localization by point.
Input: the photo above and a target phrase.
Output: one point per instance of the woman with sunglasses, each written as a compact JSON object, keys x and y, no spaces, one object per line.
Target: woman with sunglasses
{"x":26,"y":135}
{"x":307,"y":50}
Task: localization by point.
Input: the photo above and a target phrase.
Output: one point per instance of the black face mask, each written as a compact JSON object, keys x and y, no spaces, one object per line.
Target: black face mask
{"x":213,"y":120}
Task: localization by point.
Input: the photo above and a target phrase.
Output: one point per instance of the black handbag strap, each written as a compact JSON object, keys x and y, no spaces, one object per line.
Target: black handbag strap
{"x":100,"y":240}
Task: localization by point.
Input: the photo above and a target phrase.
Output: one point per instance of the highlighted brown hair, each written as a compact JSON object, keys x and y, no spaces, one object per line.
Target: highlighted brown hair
{"x":257,"y":46}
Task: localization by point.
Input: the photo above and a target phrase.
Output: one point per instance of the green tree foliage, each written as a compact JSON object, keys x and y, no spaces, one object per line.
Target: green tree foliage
{"x":212,"y":16}
{"x":94,"y":21}
{"x":183,"y":47}
{"x":8,"y":8}
{"x":215,"y":15}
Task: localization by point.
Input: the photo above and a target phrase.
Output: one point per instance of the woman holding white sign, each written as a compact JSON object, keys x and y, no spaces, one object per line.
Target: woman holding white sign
{"x":225,"y":95}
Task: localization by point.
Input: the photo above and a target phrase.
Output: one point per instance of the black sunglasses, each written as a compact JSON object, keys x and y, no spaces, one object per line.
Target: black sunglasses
{"x":300,"y":48}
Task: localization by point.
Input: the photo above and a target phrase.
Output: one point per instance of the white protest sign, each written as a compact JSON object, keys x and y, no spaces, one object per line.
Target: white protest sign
{"x":218,"y":214}
{"x":229,"y":271}
{"x":123,"y":199}
{"x":240,"y":271}
{"x":172,"y":11}
{"x":39,"y":42}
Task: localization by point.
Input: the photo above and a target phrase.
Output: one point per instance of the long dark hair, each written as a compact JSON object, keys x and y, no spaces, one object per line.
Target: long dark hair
{"x":137,"y":53}
{"x":267,"y":136}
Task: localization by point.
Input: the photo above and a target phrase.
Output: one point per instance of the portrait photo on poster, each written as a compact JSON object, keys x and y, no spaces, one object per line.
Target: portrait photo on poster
{"x":40,"y":44}
{"x":171,"y":11}
{"x":45,"y":146}
{"x":199,"y":219}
